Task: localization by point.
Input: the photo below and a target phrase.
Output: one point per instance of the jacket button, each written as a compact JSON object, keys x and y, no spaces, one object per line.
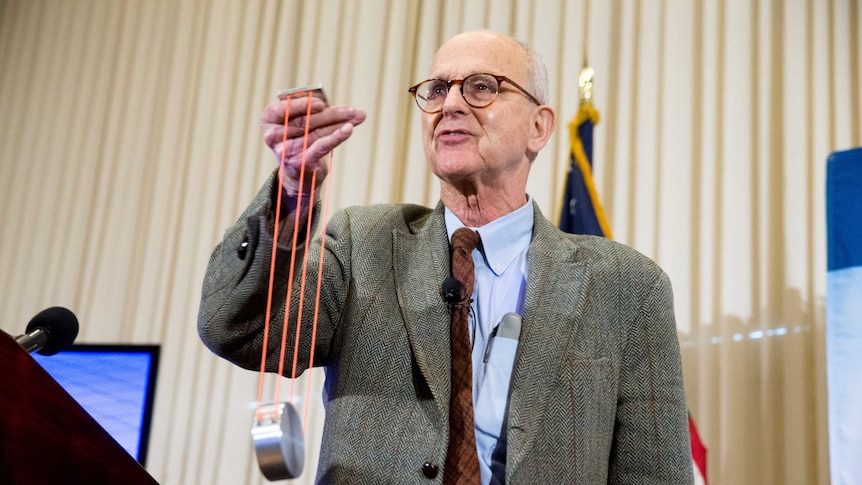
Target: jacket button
{"x":243,"y":248}
{"x":429,"y":470}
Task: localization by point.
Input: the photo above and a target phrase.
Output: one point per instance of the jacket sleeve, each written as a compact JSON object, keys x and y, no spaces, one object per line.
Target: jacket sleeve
{"x":233,"y":307}
{"x":651,"y":443}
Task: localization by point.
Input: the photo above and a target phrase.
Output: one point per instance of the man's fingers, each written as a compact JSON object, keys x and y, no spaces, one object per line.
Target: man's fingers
{"x":319,"y":125}
{"x":321,"y":115}
{"x":298,"y":138}
{"x":275,"y":111}
{"x":274,"y":136}
{"x":328,"y":141}
{"x":320,"y":143}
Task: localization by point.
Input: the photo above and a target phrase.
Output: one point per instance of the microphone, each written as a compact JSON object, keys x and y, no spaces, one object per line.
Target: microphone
{"x":451,"y":291}
{"x":451,"y":288}
{"x":50,"y":331}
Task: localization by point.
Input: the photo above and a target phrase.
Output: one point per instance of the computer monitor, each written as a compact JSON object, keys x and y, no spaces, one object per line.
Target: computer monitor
{"x":115,"y":384}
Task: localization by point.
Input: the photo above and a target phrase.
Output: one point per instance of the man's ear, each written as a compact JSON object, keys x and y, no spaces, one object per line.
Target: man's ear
{"x":544,"y":121}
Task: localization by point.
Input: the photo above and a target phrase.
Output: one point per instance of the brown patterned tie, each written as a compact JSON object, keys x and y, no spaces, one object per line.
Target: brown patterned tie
{"x":462,"y":461}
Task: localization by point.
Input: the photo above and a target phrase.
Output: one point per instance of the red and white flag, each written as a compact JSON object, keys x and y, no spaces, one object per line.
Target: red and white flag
{"x":698,"y":454}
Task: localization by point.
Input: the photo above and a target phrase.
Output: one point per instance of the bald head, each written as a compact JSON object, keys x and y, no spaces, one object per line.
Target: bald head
{"x":519,"y":61}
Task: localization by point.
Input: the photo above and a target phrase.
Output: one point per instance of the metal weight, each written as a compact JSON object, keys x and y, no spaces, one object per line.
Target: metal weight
{"x":278,"y":441}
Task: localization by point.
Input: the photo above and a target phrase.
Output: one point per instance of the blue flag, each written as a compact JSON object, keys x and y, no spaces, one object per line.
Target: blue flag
{"x":844,"y":313}
{"x":582,"y":212}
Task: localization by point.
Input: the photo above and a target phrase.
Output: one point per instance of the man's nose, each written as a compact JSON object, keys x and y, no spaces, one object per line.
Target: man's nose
{"x":455,"y":102}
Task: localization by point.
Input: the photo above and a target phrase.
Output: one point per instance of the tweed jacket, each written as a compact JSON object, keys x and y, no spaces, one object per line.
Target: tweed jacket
{"x":596,"y":390}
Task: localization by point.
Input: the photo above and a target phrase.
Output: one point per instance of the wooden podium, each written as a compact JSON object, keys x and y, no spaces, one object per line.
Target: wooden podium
{"x":46,"y":437}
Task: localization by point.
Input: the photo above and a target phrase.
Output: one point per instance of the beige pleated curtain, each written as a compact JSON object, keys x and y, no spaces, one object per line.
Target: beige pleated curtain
{"x":129,"y":142}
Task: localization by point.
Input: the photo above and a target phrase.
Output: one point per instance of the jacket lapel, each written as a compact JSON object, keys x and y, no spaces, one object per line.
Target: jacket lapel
{"x":556,"y":284}
{"x":421,"y":263}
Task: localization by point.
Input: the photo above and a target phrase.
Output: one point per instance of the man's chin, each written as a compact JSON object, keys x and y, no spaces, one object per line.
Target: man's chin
{"x":455,"y":163}
{"x":456,"y":177}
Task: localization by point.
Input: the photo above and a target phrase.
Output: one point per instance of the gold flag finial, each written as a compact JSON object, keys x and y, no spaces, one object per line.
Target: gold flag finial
{"x":585,"y":83}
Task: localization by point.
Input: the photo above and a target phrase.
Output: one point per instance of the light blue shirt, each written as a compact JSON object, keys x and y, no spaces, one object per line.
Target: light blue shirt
{"x":500,"y":285}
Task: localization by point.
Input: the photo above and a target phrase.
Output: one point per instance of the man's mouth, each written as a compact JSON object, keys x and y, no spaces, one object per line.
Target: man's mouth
{"x":452,"y":135}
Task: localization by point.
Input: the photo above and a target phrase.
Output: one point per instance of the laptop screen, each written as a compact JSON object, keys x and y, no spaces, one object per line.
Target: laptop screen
{"x":115,"y":384}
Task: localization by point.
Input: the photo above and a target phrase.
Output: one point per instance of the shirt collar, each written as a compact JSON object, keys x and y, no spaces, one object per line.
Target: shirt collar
{"x":502,"y":239}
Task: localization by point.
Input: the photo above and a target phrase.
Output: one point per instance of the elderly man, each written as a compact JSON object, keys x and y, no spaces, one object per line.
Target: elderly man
{"x":525,"y":356}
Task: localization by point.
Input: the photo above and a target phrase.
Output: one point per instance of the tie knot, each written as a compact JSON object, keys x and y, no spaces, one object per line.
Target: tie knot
{"x":465,"y":239}
{"x":463,"y":242}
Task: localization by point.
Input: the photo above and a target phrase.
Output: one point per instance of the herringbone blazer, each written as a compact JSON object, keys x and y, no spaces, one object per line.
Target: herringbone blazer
{"x":596,"y":391}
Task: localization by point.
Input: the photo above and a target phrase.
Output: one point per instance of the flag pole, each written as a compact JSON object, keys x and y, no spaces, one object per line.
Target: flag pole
{"x":585,"y":83}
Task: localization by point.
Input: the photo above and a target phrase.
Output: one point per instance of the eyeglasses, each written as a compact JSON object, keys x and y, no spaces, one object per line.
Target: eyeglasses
{"x":479,"y":90}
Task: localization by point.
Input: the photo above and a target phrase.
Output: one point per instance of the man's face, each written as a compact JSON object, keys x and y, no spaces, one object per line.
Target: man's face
{"x":480,"y":145}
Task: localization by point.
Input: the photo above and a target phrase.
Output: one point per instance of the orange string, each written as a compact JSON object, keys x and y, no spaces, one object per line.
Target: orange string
{"x":303,"y":278}
{"x":302,"y":283}
{"x":317,"y":294}
{"x":272,"y":262}
{"x":293,"y":251}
